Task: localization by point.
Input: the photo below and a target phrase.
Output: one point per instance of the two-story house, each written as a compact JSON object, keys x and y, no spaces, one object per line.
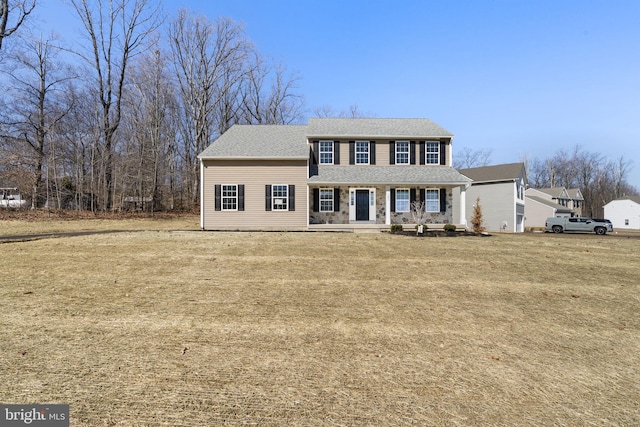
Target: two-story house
{"x":330,"y":174}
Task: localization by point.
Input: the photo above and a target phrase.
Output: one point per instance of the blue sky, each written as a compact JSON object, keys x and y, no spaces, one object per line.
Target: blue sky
{"x":517,"y":77}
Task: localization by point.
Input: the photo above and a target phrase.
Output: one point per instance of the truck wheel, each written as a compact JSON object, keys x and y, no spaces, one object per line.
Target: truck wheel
{"x":557,"y":229}
{"x":601,"y":230}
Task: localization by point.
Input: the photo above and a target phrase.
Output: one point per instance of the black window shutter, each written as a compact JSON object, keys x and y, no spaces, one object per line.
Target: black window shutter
{"x":393,"y":200}
{"x":218,"y":194}
{"x":241,"y":197}
{"x":352,"y":152}
{"x":336,"y":200}
{"x":292,"y":197}
{"x":412,"y":195}
{"x":392,"y":152}
{"x":443,"y":154}
{"x":422,"y":153}
{"x":267,"y":197}
{"x":316,"y":200}
{"x":443,"y":200}
{"x":372,"y":152}
{"x":336,"y":152}
{"x":422,"y":195}
{"x":412,"y":152}
{"x":316,"y":152}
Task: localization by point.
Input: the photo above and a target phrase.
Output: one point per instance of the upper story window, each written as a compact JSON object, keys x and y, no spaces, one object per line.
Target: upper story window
{"x":362,"y":152}
{"x":432,"y":151}
{"x":402,"y":152}
{"x":520,"y":189}
{"x":326,"y":152}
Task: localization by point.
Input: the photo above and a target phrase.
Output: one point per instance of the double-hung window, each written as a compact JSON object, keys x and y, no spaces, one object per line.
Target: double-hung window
{"x":432,"y":202}
{"x":432,"y":150}
{"x":402,"y":200}
{"x":402,"y":152}
{"x":326,"y":200}
{"x":279,"y":197}
{"x":326,"y":152}
{"x":230,"y":197}
{"x":362,"y":152}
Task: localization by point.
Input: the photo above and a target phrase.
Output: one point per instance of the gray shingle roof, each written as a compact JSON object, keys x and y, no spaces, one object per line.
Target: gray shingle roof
{"x":553,"y":191}
{"x":506,"y":172}
{"x":376,"y":128}
{"x":370,"y":174}
{"x":558,"y":207}
{"x":260,"y":141}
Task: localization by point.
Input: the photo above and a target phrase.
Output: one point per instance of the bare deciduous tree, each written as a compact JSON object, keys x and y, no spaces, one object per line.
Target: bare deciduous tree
{"x":466,"y":157}
{"x":37,"y":75}
{"x":353,"y":112}
{"x":12,"y":16}
{"x":209,"y":60}
{"x":116,"y":31}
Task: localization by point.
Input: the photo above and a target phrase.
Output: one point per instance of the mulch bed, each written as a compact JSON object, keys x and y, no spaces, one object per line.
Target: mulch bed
{"x":438,"y":233}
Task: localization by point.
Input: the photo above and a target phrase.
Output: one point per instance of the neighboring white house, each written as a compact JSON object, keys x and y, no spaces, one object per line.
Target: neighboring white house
{"x":501,"y":190}
{"x":624,"y":213}
{"x":540,"y":205}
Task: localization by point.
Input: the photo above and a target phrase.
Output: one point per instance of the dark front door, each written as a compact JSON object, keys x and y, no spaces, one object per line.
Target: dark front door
{"x":362,"y":205}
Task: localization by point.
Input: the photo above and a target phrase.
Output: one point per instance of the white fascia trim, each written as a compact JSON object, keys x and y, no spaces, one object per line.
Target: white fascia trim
{"x":255,"y":158}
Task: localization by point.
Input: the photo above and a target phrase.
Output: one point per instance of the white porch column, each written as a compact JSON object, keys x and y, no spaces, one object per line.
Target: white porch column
{"x":387,"y":207}
{"x":463,"y":205}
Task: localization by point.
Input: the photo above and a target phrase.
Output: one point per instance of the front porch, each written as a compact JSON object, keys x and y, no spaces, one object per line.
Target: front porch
{"x":377,"y":207}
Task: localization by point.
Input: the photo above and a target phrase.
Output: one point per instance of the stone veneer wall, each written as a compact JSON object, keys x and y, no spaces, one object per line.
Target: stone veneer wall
{"x":341,"y":217}
{"x":432,"y":218}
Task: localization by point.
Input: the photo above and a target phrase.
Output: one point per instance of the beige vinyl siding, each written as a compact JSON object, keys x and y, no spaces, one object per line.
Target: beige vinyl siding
{"x":382,"y":149}
{"x":254,"y":174}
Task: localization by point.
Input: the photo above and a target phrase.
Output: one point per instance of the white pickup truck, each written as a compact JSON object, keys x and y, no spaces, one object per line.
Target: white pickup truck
{"x":562,"y":224}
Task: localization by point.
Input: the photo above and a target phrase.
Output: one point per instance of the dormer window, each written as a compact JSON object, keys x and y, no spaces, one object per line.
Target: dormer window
{"x":402,"y":152}
{"x":362,"y":152}
{"x":326,"y":152}
{"x":432,"y":151}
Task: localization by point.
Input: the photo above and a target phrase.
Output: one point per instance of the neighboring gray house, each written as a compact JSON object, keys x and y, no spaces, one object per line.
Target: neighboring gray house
{"x":330,"y":174}
{"x":541,"y":205}
{"x":624,"y":213}
{"x":501,"y":190}
{"x":570,"y":198}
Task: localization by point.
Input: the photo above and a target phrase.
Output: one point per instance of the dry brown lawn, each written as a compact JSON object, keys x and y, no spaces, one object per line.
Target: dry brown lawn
{"x":191,"y":328}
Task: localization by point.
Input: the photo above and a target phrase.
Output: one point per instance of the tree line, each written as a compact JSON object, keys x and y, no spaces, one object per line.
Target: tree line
{"x":118,"y":122}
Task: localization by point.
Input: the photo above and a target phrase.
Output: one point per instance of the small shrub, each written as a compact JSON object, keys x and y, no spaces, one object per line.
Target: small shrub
{"x":449,"y":227}
{"x":476,"y":219}
{"x":396,"y":228}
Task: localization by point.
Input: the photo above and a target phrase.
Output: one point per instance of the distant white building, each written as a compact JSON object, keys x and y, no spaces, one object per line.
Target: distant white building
{"x":624,"y":213}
